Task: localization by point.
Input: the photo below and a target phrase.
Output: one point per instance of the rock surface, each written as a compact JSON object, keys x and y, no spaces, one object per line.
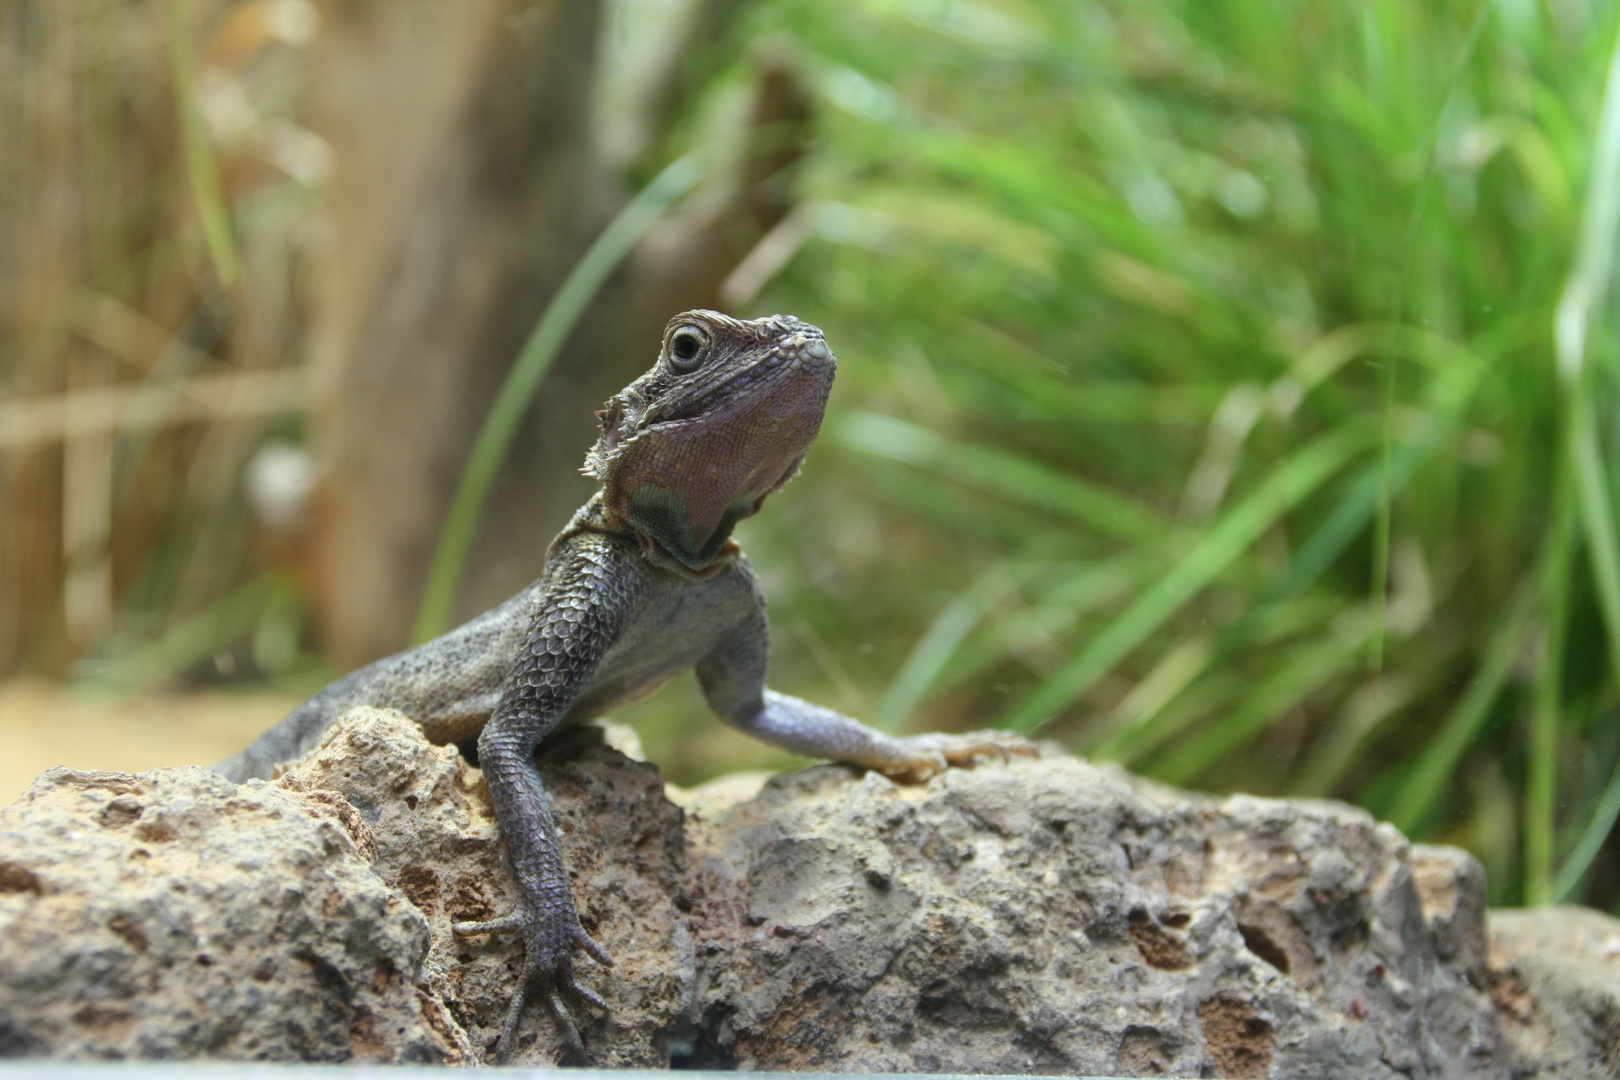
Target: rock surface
{"x":437,"y":844}
{"x":1053,"y":917}
{"x":175,"y":915}
{"x":1044,"y":916}
{"x":1555,"y":975}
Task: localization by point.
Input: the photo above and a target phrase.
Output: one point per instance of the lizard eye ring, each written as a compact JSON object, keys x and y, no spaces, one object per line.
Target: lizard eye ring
{"x":687,"y":348}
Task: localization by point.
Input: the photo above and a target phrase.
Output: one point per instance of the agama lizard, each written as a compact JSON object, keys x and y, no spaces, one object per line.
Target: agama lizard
{"x":644,"y":583}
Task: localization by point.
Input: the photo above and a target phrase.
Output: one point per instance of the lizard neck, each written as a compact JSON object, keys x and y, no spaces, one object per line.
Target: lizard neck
{"x":596,"y":516}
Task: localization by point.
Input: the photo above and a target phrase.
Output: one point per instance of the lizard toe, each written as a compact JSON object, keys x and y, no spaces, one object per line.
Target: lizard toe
{"x":559,"y":1009}
{"x":591,"y":947}
{"x":932,"y":754}
{"x":586,"y":994}
{"x":966,"y":748}
{"x":921,"y":764}
{"x":513,"y":921}
{"x":545,"y":971}
{"x":514,"y":1012}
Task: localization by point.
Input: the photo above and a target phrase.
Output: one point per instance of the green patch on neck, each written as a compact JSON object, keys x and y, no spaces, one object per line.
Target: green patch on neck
{"x":663,"y":515}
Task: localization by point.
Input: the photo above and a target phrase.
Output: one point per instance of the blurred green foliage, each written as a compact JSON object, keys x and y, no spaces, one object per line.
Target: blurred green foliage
{"x":1199,"y":403}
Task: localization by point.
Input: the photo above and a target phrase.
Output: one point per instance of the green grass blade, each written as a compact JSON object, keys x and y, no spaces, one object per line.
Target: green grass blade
{"x":999,"y":473}
{"x":1460,"y":371}
{"x":1590,"y":843}
{"x":1600,"y":222}
{"x":939,"y":643}
{"x":1134,"y":718}
{"x":1215,"y":692}
{"x":1305,"y":672}
{"x":517,"y":392}
{"x":1592,"y":485}
{"x":1379,"y":589}
{"x":1345,"y":523}
{"x":1588,"y":284}
{"x":1363,"y":713}
{"x":1066,"y":602}
{"x":1304,"y":472}
{"x":201,"y":169}
{"x":1541,"y":779}
{"x":192,"y":641}
{"x":1268,"y":625}
{"x":1433,"y":771}
{"x":1458,"y":384}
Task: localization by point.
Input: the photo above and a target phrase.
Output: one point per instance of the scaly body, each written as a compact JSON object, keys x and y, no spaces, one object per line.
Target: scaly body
{"x":643,"y":584}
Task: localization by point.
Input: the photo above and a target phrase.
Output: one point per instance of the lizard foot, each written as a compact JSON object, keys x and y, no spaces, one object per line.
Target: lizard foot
{"x":927,"y":755}
{"x":550,"y":938}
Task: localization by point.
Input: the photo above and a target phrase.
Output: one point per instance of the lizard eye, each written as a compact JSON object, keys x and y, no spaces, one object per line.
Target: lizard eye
{"x":687,"y":347}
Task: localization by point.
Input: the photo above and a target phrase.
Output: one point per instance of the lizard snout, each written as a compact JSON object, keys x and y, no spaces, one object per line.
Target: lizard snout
{"x":813,"y":351}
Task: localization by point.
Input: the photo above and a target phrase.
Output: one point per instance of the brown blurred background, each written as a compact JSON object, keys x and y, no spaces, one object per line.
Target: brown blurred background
{"x":245,"y":362}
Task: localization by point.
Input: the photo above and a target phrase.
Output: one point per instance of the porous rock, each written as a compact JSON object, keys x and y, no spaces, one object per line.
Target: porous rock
{"x":1555,"y":975}
{"x":173,"y":914}
{"x":1042,"y":915}
{"x":1050,"y":916}
{"x":176,"y":914}
{"x":438,"y":845}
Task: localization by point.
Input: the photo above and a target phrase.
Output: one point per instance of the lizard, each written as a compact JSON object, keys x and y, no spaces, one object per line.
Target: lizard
{"x":645,"y":582}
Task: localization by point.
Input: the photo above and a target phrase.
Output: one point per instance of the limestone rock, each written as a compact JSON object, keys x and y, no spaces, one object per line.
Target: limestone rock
{"x":174,"y":914}
{"x":1555,"y":975}
{"x":437,"y":844}
{"x":1044,"y":915}
{"x":1053,"y":917}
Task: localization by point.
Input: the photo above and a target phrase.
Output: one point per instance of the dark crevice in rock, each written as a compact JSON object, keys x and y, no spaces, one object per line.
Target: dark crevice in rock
{"x":1160,"y":948}
{"x":1257,"y":941}
{"x":700,"y":1047}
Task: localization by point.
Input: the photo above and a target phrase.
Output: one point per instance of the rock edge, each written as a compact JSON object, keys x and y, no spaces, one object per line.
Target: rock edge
{"x":1045,"y":916}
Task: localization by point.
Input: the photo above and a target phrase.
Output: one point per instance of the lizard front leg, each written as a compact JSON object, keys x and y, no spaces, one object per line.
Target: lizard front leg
{"x":733,"y":679}
{"x":588,"y":603}
{"x":815,"y":731}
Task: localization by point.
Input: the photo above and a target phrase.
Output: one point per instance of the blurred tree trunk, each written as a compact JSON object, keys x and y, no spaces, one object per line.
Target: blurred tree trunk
{"x":465,"y":189}
{"x":41,"y":230}
{"x":467,"y":185}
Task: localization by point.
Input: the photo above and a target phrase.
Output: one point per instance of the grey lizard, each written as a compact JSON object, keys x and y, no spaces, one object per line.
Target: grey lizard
{"x":644,"y":583}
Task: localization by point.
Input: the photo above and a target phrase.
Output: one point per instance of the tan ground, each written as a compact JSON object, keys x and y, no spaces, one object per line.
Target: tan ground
{"x":44,"y":724}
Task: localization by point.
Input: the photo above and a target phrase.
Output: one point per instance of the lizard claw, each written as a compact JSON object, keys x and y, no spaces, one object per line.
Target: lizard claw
{"x":546,"y":968}
{"x":932,"y":754}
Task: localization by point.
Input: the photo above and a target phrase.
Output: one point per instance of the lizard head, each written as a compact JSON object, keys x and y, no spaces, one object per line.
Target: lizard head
{"x":722,"y":420}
